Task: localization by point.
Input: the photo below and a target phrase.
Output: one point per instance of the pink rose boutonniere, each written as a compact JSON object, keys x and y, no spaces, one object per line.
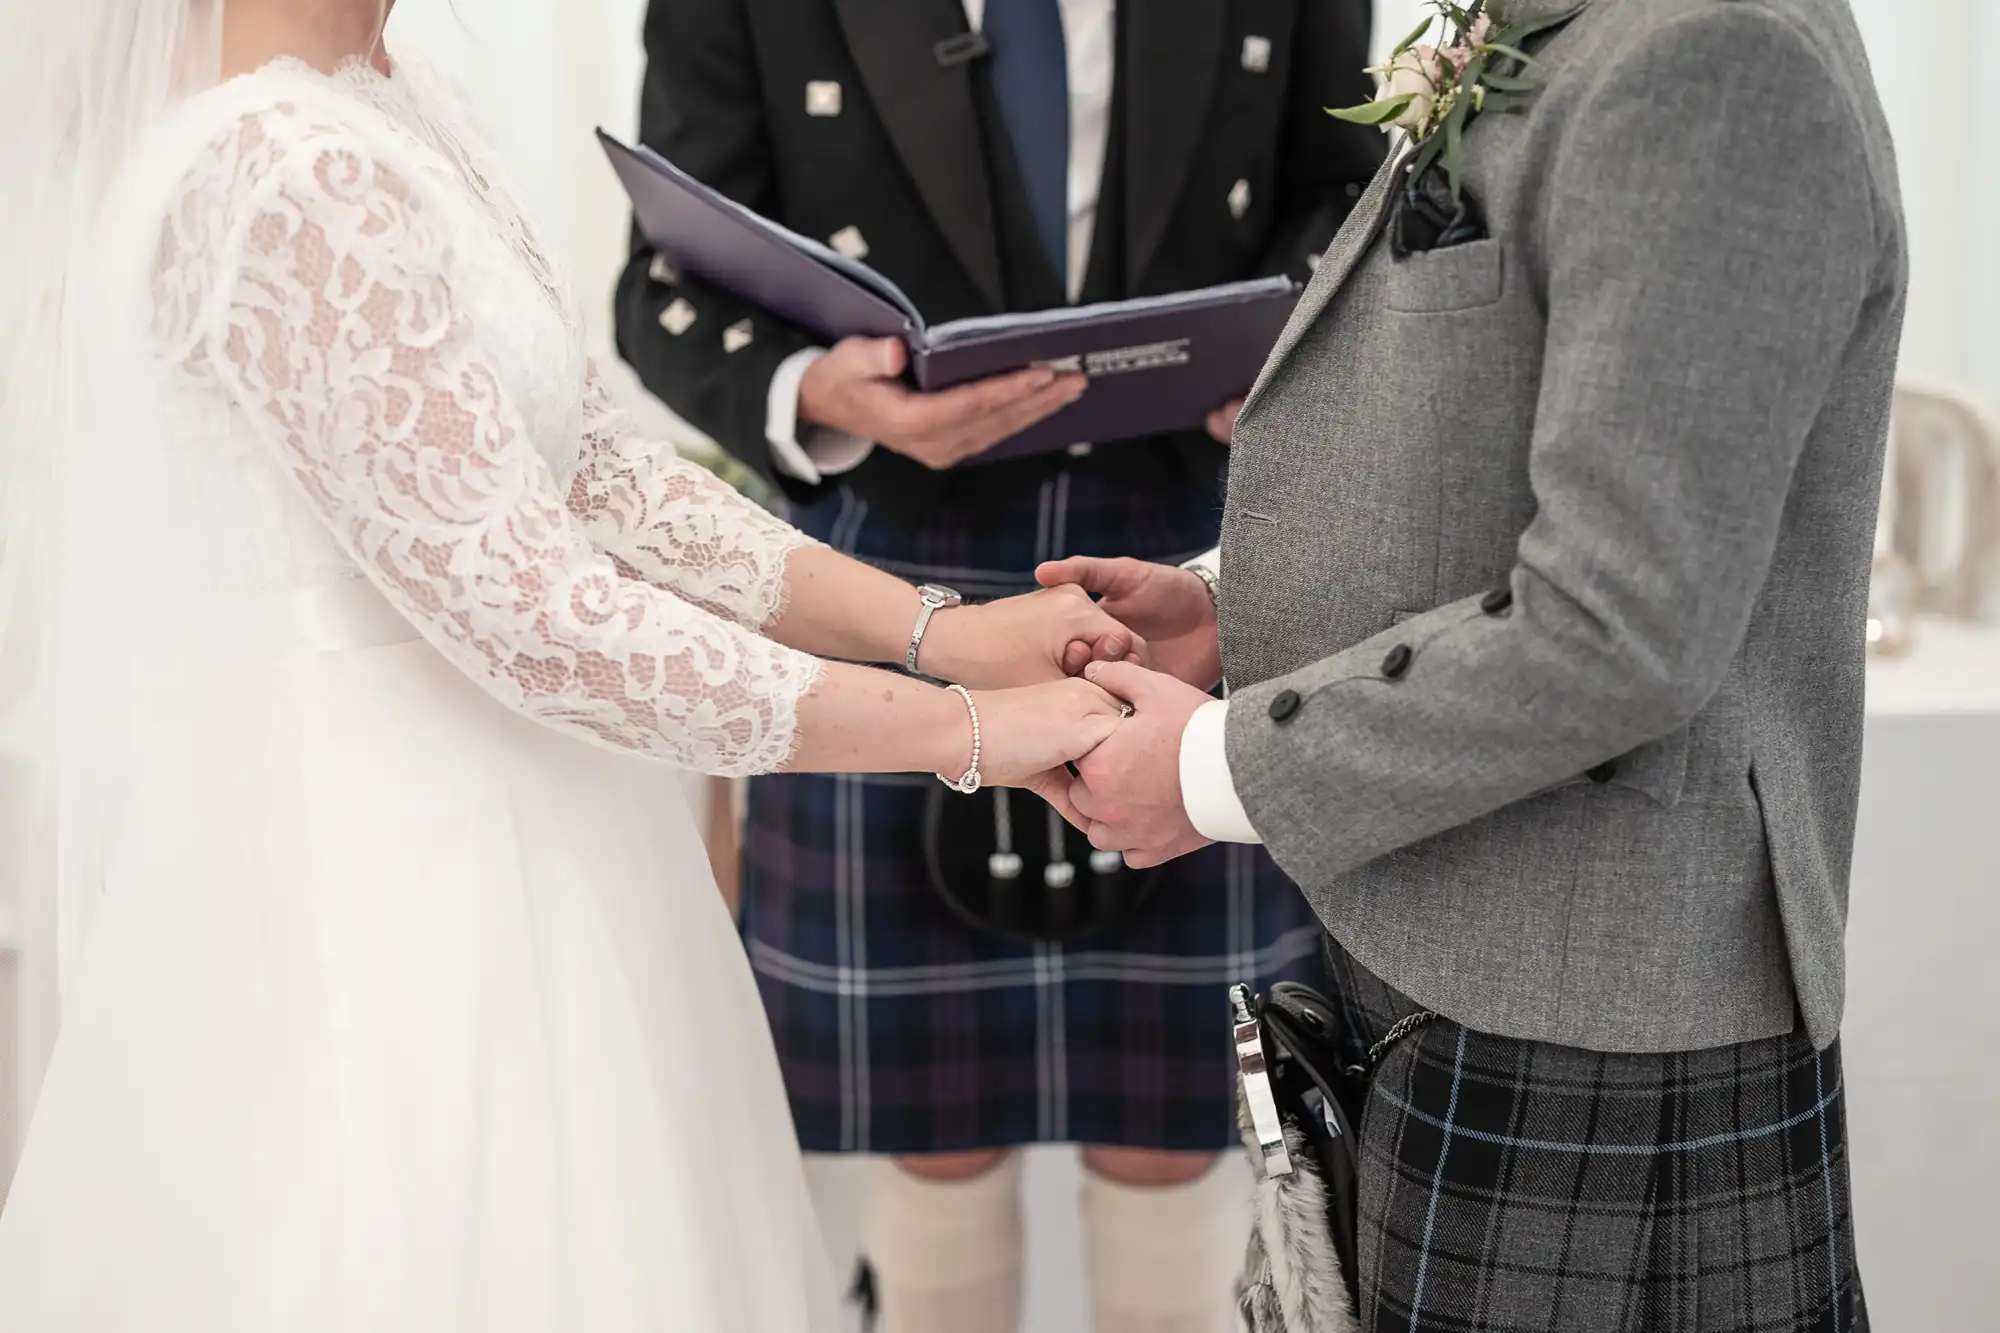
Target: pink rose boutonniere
{"x":1431,"y":88}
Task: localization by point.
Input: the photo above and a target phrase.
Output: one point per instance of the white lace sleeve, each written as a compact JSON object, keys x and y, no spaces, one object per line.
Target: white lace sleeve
{"x":674,"y":523}
{"x":333,"y":325}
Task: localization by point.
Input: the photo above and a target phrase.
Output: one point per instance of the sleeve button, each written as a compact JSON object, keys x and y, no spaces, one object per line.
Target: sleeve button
{"x":1397,"y":662}
{"x":1604,"y":772}
{"x":1283,"y":704}
{"x":1496,"y":602}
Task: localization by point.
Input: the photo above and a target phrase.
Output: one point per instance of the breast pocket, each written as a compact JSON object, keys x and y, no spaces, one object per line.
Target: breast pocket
{"x":1458,"y":277}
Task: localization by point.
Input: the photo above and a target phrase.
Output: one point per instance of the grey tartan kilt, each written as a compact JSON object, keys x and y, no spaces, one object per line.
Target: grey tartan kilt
{"x":1521,"y":1186}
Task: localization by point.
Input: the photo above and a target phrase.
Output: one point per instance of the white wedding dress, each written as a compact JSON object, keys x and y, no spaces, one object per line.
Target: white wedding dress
{"x":409,"y":1003}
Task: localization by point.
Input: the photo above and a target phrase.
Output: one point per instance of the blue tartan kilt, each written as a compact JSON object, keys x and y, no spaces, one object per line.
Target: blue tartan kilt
{"x":903,"y":1030}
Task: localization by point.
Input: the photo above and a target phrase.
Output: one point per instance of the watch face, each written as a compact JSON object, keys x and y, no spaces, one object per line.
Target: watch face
{"x":938,"y":595}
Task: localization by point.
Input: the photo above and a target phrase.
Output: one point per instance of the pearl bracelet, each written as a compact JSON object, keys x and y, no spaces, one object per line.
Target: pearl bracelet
{"x":969,"y":782}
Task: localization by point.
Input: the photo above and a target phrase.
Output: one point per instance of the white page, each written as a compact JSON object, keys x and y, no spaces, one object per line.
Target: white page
{"x":981,"y":327}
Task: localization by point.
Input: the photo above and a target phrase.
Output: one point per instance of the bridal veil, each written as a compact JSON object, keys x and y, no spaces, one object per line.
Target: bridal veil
{"x":81,"y":83}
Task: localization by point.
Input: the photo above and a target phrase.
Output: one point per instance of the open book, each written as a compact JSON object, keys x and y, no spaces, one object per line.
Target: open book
{"x":1157,"y":363}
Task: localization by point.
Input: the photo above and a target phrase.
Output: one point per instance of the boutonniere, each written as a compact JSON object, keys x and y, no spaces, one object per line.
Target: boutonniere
{"x":1430,"y":89}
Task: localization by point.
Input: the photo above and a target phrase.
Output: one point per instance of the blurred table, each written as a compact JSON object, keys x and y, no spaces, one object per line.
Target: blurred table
{"x":1922,"y":1037}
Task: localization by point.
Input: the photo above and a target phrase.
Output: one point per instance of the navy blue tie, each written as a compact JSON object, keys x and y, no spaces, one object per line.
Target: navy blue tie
{"x":1031,"y":82}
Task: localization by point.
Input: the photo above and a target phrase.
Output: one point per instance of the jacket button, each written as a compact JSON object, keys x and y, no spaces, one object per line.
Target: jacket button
{"x":1283,"y":704}
{"x":1604,"y":772}
{"x":1397,"y":662}
{"x":1496,"y":602}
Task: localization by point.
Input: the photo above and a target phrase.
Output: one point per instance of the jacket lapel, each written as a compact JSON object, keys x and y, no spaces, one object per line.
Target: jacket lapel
{"x":928,"y":110}
{"x":1172,"y":52}
{"x":1363,"y":225}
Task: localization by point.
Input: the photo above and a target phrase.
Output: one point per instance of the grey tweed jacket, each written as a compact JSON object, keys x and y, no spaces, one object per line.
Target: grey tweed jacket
{"x":1545,"y":560}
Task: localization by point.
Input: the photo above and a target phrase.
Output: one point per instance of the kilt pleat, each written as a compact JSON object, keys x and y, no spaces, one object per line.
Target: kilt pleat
{"x":1515,"y":1185}
{"x":902,"y":1030}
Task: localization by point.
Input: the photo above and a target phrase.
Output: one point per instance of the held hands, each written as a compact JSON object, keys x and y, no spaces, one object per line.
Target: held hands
{"x":1039,"y":636}
{"x":1169,"y":607}
{"x":857,"y":388}
{"x":1128,"y":798}
{"x":1027,"y":735}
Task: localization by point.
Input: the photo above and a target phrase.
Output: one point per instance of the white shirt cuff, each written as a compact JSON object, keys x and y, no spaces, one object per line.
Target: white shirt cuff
{"x":822,"y":453}
{"x":1207,"y":789}
{"x":1210,"y":560}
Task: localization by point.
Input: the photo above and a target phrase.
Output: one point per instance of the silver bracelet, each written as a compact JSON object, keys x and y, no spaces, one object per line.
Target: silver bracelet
{"x":968,"y":783}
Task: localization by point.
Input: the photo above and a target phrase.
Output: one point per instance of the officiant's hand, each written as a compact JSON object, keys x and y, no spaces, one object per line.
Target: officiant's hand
{"x":1222,"y":421}
{"x":1038,"y":636}
{"x":1129,"y":794}
{"x":1165,"y":604}
{"x":858,"y":388}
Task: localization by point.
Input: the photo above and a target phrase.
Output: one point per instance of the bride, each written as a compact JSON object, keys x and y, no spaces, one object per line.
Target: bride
{"x":394,"y":992}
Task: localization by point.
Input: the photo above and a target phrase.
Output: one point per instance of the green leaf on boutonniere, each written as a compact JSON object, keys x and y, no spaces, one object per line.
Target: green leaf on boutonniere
{"x":1511,"y":52}
{"x":1511,"y":83}
{"x":1454,"y":147}
{"x":1415,"y":36}
{"x":1503,"y":104}
{"x":1427,"y":153}
{"x":1373,"y":113}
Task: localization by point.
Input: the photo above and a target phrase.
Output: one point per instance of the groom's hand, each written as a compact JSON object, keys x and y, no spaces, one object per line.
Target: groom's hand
{"x":1168,"y":606}
{"x":1129,"y":788}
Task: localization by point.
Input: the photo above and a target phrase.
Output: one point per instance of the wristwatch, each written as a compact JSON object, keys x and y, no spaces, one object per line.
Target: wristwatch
{"x":936,"y":598}
{"x":1210,"y":577}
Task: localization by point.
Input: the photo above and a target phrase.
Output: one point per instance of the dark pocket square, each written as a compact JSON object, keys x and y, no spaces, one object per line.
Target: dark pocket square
{"x":1428,"y":218}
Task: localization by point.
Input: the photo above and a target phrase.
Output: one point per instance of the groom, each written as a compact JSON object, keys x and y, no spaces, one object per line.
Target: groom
{"x":1541,"y":597}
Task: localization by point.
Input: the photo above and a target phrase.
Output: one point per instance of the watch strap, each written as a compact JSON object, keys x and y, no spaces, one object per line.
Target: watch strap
{"x":1203,"y":568}
{"x":924,"y":614}
{"x":934,"y":598}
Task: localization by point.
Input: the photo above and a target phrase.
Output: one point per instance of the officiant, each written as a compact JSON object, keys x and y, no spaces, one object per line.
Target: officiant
{"x":951,"y":978}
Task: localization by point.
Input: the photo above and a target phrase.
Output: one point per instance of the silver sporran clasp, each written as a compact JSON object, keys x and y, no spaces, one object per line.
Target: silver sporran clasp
{"x":1254,"y":1069}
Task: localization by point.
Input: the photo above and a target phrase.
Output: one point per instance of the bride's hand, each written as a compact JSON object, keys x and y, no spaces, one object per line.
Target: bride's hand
{"x":1040,"y":636}
{"x":1027,"y":733}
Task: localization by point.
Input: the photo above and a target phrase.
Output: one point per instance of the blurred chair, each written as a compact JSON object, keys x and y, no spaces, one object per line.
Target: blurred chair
{"x":1938,"y":540}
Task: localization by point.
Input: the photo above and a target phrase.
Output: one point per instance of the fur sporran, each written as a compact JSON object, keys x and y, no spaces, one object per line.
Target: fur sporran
{"x":1293,"y":1280}
{"x":1300,"y":1084}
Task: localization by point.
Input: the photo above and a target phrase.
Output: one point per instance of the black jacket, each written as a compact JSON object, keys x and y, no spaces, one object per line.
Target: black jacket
{"x":911,"y":163}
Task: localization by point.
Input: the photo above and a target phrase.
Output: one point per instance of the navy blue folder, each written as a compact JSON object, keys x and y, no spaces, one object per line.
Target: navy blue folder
{"x":1157,"y":363}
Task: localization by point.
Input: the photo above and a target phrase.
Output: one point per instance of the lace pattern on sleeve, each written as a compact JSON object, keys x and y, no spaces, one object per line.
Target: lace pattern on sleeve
{"x":674,"y":523}
{"x":333,"y":326}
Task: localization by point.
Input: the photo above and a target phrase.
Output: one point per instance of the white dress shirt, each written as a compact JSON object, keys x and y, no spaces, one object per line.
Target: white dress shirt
{"x":1208,"y":789}
{"x":1090,"y":33}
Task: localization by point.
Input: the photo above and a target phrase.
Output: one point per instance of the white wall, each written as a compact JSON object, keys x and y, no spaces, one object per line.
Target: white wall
{"x":543,"y":74}
{"x":1931,"y":62}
